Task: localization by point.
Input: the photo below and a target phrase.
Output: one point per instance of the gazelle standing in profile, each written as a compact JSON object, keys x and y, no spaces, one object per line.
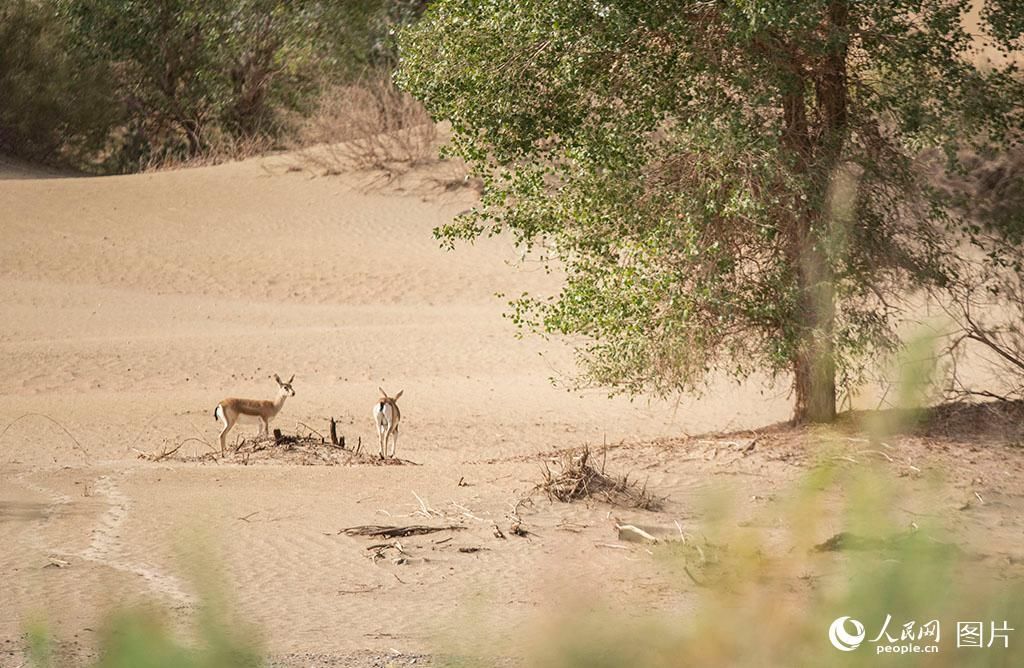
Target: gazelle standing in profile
{"x":229,"y":410}
{"x":387,"y":416}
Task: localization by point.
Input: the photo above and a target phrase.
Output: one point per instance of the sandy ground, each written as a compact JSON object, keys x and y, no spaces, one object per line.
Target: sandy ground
{"x":131,"y":305}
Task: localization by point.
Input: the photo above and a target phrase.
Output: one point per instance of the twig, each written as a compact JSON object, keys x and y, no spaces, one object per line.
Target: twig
{"x":875,"y":452}
{"x":81,"y":448}
{"x":167,"y":453}
{"x":425,"y":510}
{"x":363,"y":590}
{"x":310,"y":429}
{"x":466,"y":511}
{"x":380,"y":547}
{"x":695,"y":580}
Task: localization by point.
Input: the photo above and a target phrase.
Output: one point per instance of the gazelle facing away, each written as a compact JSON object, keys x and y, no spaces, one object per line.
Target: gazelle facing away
{"x":387,"y":416}
{"x":229,"y":410}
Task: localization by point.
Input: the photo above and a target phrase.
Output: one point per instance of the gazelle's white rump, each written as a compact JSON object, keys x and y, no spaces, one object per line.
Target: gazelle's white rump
{"x":387,"y":416}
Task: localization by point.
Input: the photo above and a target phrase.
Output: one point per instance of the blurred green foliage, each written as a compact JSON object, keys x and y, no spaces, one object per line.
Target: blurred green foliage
{"x":143,"y":636}
{"x":769,"y":600}
{"x":141,"y":639}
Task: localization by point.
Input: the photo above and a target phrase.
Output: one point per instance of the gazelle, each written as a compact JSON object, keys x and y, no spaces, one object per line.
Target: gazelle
{"x":229,"y":410}
{"x":387,"y":416}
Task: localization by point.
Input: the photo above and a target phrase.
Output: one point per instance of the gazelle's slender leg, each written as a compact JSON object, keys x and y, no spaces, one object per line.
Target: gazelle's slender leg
{"x":264,"y":426}
{"x":394,"y":442}
{"x":224,"y":431}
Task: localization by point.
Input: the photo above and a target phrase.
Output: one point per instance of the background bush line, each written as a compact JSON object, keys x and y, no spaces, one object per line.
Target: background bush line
{"x":119,"y":86}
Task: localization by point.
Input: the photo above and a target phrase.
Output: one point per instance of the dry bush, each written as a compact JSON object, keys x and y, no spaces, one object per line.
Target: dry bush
{"x":984,"y":301}
{"x":368,"y":125}
{"x":299,"y":449}
{"x":986,"y":313}
{"x":577,"y":479}
{"x":220,"y":149}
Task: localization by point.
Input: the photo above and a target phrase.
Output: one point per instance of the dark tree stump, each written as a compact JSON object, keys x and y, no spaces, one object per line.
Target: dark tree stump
{"x":334,"y":435}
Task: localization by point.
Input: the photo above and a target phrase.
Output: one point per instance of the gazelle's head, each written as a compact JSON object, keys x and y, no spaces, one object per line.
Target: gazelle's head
{"x":384,"y":395}
{"x":285,"y":389}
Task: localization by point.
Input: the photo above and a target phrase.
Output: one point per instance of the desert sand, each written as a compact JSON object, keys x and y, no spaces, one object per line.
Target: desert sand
{"x":131,"y":305}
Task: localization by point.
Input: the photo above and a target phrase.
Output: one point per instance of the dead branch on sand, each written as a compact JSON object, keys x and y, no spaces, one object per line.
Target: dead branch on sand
{"x":577,"y":480}
{"x":396,"y":531}
{"x":78,"y":446}
{"x":165,"y":453}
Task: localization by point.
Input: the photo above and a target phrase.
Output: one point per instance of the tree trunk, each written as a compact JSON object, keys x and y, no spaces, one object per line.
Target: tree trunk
{"x":816,"y":156}
{"x":814,"y":367}
{"x":192,"y":135}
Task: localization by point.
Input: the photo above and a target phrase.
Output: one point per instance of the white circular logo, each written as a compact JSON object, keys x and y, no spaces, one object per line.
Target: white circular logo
{"x":843,"y":641}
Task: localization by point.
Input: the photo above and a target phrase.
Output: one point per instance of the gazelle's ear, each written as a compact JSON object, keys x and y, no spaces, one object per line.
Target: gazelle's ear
{"x":399,"y":394}
{"x":291,"y":379}
{"x":277,"y":378}
{"x":382,"y":392}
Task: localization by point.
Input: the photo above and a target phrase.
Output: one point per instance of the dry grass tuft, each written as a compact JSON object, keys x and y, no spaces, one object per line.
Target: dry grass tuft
{"x":577,"y":480}
{"x":221,"y":148}
{"x":368,"y":125}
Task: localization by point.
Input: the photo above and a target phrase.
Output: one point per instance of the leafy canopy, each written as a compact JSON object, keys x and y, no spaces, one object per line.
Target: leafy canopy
{"x":727,"y":184}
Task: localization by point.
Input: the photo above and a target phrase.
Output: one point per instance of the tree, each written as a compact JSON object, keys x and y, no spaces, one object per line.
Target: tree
{"x":54,"y":107}
{"x":189,"y":69}
{"x":164,"y":53}
{"x":728,"y":184}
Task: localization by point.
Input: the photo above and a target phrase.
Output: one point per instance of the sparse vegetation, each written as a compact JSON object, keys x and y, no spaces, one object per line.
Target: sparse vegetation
{"x":576,"y":479}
